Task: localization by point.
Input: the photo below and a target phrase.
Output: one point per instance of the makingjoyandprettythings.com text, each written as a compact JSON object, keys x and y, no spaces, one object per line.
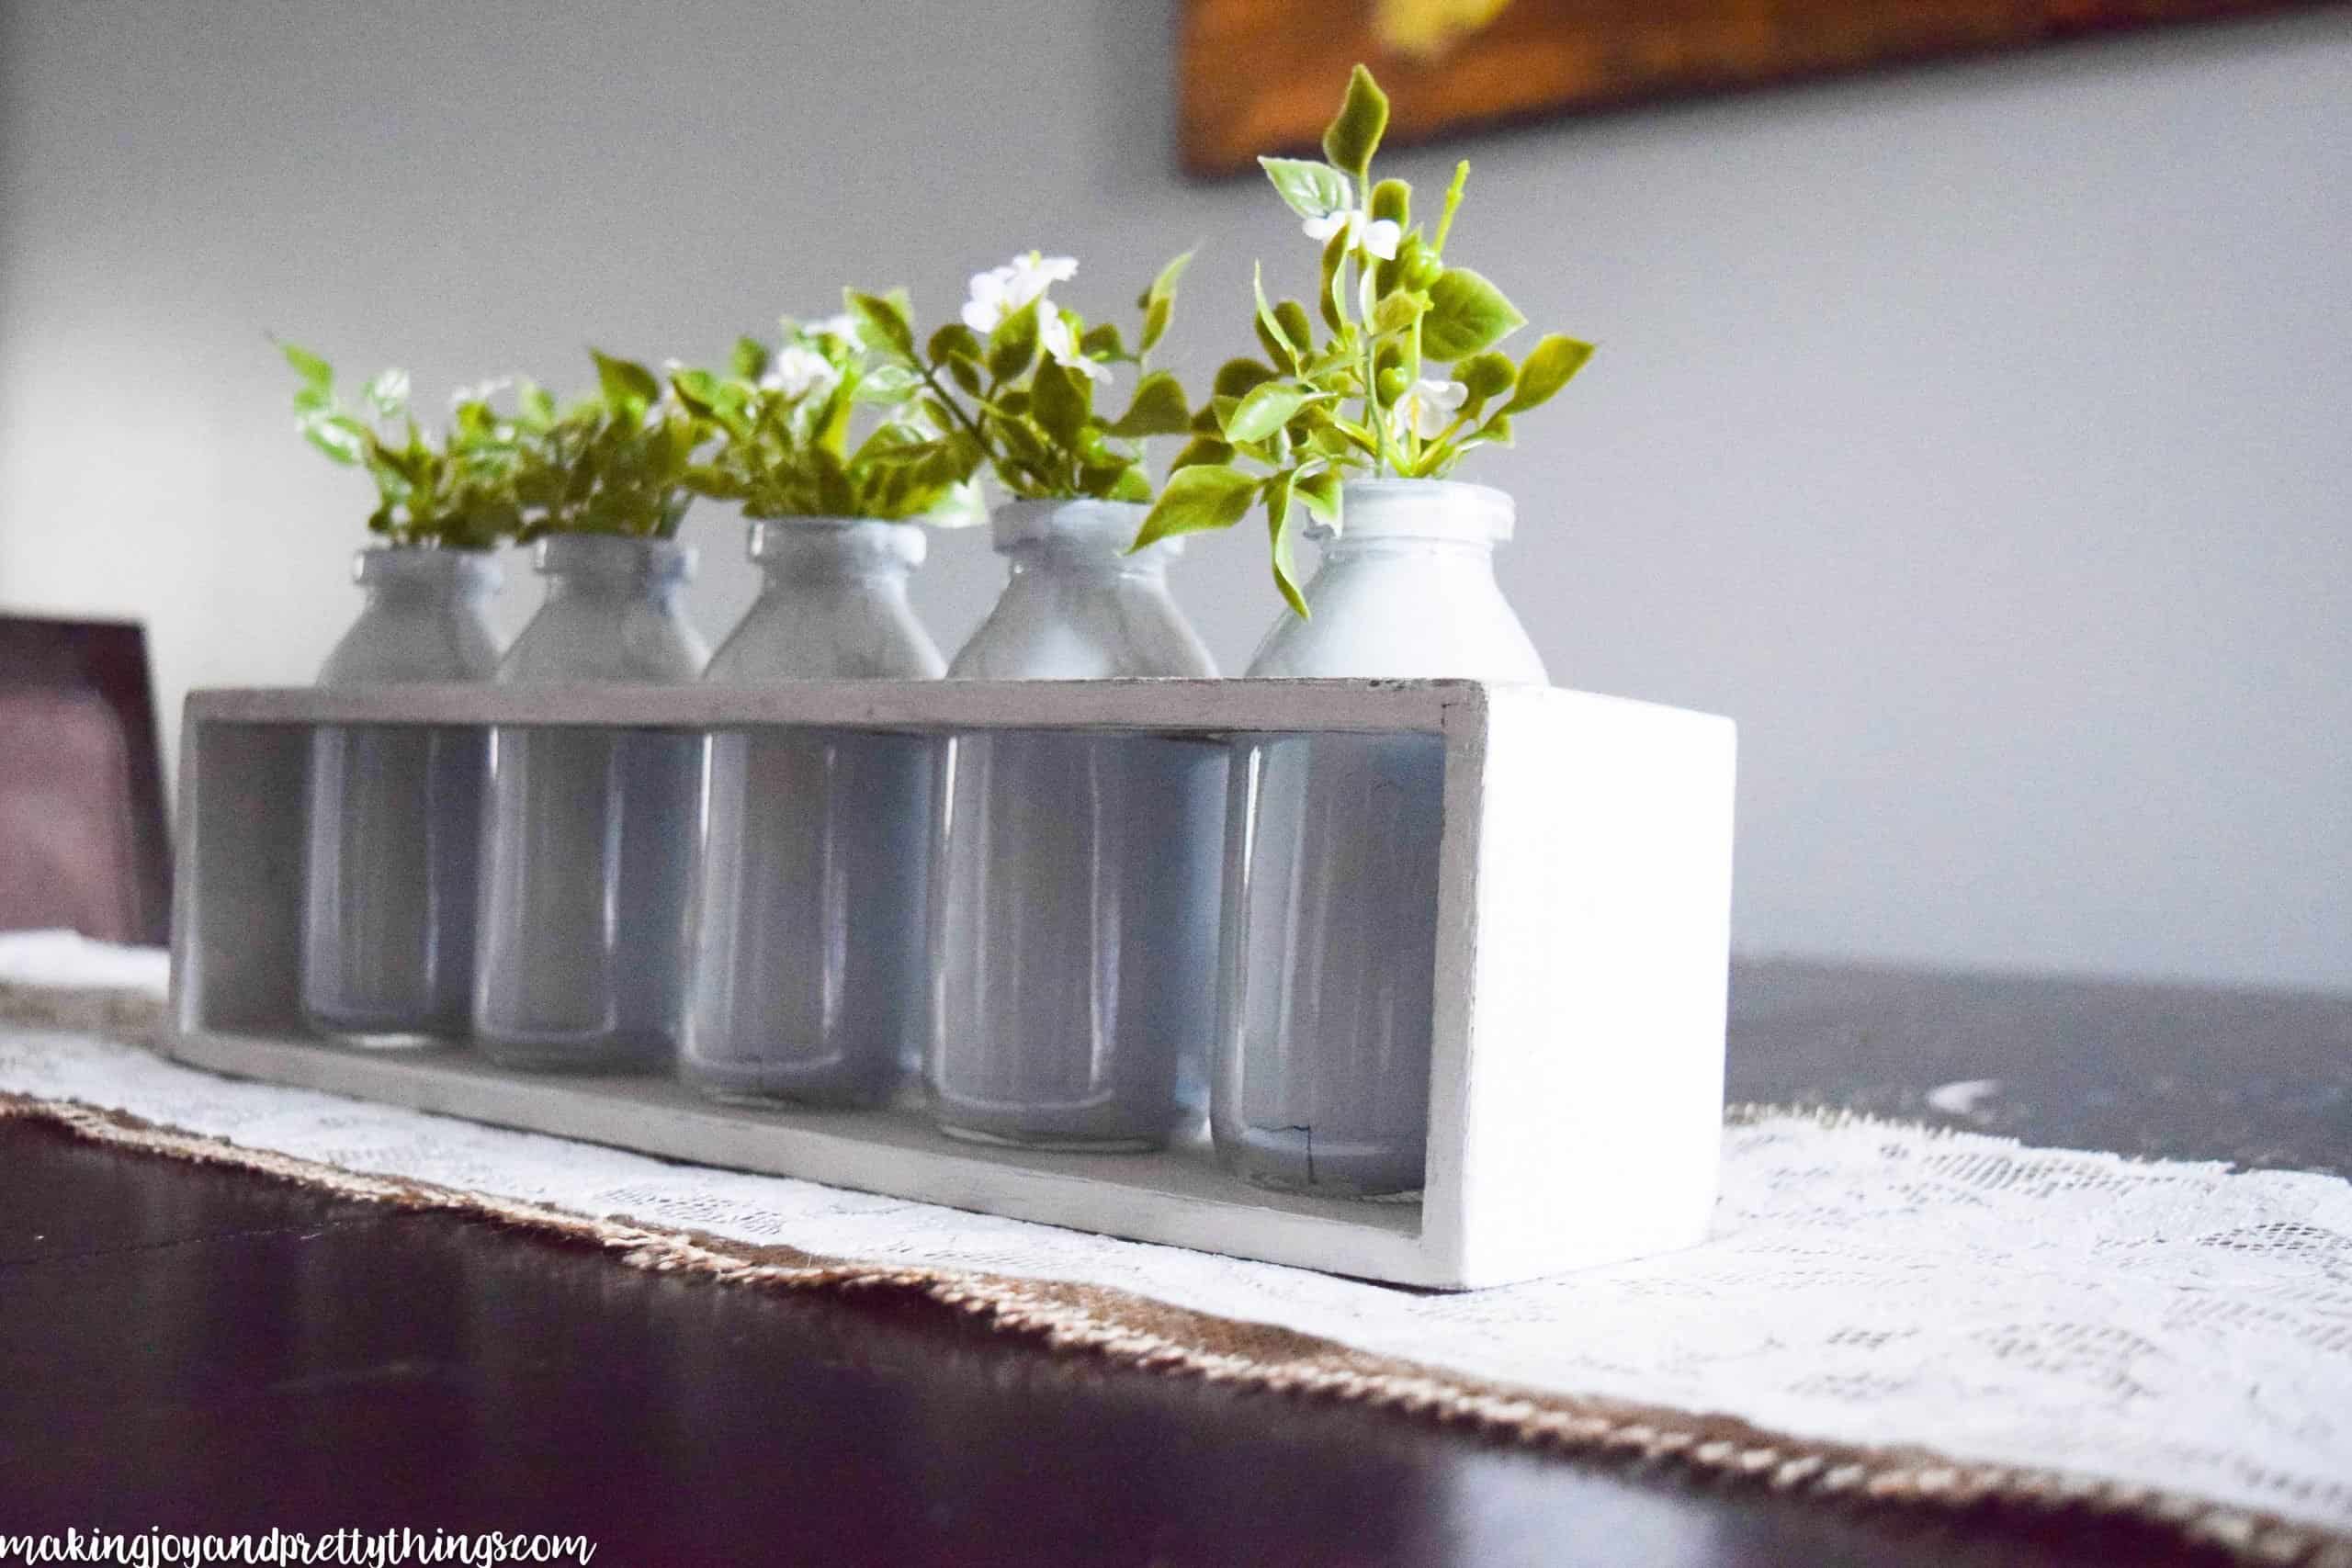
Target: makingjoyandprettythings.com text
{"x":370,"y":1548}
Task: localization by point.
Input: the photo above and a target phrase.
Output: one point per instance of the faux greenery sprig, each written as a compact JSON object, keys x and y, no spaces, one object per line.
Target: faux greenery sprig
{"x":787,"y":419}
{"x":458,"y":490}
{"x":1017,"y":377}
{"x":615,"y":462}
{"x":1356,"y":396}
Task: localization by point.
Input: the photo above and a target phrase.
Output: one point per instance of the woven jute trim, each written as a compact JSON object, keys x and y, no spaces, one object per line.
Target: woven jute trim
{"x":1136,"y":1331}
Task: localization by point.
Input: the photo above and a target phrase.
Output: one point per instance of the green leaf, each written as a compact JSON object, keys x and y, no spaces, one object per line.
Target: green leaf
{"x":882,"y":320}
{"x":1395,"y":273}
{"x":1201,"y":449}
{"x":1466,"y":313}
{"x":1160,"y":408}
{"x":1393,"y":200}
{"x":1353,"y":137}
{"x":534,"y":406}
{"x":1061,"y":398}
{"x":625,"y":379}
{"x":339,"y":436}
{"x":1269,"y":326}
{"x":386,"y":392}
{"x":750,"y":359}
{"x":1099,"y":479}
{"x":1330,"y":296}
{"x":1488,"y":375}
{"x":1163,"y":285}
{"x":1102,"y":341}
{"x":698,"y":390}
{"x":952,"y":342}
{"x":314,"y":371}
{"x":1195,"y":500}
{"x":1312,"y":189}
{"x":1278,"y":491}
{"x":1549,"y":367}
{"x":1014,"y":346}
{"x":1320,"y":492}
{"x":1159,"y":304}
{"x":1022,"y":442}
{"x":1297,"y":324}
{"x":1397,"y":313}
{"x":886,"y":385}
{"x":1264,"y":411}
{"x":1235,"y":376}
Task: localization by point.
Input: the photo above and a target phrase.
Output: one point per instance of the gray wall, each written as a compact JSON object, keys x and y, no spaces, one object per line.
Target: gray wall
{"x":1975,"y":435}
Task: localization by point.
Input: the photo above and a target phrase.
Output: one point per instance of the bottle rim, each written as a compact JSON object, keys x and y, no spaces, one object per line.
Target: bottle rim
{"x":613,"y":556}
{"x":1083,"y":522}
{"x":427,"y":565}
{"x":1445,"y":510}
{"x":773,"y":540}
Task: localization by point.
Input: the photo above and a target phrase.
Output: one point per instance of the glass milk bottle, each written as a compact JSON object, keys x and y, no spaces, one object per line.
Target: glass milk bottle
{"x":1321,"y":1074}
{"x":1074,"y":907}
{"x":808,"y":949}
{"x":395,"y":811}
{"x":588,"y":832}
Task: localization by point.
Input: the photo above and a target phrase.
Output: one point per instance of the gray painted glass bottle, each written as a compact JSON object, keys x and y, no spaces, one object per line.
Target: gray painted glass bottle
{"x":1074,"y":900}
{"x":813,"y":845}
{"x":1322,"y":1062}
{"x":395,"y":811}
{"x":588,"y":834}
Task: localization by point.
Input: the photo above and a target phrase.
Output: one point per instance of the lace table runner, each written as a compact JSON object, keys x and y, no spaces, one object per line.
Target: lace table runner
{"x":1884,"y":1310}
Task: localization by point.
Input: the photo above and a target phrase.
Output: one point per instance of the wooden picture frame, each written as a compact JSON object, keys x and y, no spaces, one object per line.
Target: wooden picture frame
{"x":1260,"y":76}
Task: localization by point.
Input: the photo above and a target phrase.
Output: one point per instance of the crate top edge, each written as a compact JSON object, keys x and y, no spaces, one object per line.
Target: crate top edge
{"x":1163,"y":704}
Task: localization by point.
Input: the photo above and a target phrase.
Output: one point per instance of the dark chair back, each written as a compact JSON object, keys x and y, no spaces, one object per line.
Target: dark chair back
{"x":83,"y":842}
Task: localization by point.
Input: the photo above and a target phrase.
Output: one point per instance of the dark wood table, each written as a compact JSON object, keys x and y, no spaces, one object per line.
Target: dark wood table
{"x":194,"y":1349}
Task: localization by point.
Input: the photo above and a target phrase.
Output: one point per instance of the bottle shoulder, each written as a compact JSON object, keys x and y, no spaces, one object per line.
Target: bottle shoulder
{"x":421,"y":644}
{"x":586,"y":638}
{"x":1401,"y":620}
{"x":840,"y":636}
{"x":1105,"y":628}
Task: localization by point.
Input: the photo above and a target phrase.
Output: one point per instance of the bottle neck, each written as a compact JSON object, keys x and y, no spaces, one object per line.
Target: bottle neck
{"x":412,"y":580}
{"x":1078,"y":540}
{"x":836,"y":556}
{"x":615,"y":569}
{"x":1423,"y":518}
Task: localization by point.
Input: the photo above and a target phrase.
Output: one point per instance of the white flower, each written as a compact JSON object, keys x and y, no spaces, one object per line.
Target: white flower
{"x":798,"y":371}
{"x":481,"y":393}
{"x":842,"y":328}
{"x":1053,"y":331}
{"x":999,"y":291}
{"x":1426,"y":409}
{"x":1376,"y":236}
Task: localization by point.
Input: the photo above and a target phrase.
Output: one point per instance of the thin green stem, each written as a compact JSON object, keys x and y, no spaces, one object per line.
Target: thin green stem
{"x":1453,"y":203}
{"x":1373,"y":416}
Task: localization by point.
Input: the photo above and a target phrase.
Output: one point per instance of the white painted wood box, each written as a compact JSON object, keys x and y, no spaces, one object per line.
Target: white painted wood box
{"x":1583,"y":927}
